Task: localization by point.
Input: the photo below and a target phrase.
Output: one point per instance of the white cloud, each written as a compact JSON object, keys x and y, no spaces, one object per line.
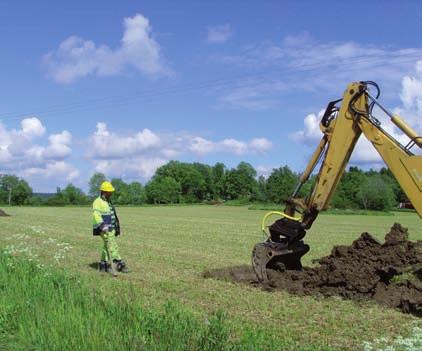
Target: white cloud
{"x":260,"y":145}
{"x":76,"y":57}
{"x":42,"y":158}
{"x":17,"y":145}
{"x":58,"y":171}
{"x":108,"y":145}
{"x":311,"y":133}
{"x":131,"y":167}
{"x":32,"y":127}
{"x":22,"y":153}
{"x":411,"y":98}
{"x":235,"y":146}
{"x":202,"y":146}
{"x":219,"y":34}
{"x":411,"y":95}
{"x":364,"y":152}
{"x":140,"y":153}
{"x":59,"y":147}
{"x":303,"y":54}
{"x":300,"y":63}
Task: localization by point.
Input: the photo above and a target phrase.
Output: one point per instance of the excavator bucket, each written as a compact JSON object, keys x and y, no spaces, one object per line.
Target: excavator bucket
{"x":277,"y":256}
{"x":282,"y":251}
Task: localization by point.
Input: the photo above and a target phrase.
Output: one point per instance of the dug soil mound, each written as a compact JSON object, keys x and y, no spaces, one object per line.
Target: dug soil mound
{"x":3,"y":214}
{"x":389,"y":273}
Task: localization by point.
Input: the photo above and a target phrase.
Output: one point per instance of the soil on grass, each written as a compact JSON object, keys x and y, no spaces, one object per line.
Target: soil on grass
{"x":389,"y":273}
{"x":3,"y":214}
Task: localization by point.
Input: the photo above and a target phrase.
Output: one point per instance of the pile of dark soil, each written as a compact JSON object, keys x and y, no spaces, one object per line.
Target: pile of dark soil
{"x":3,"y":214}
{"x":389,"y":273}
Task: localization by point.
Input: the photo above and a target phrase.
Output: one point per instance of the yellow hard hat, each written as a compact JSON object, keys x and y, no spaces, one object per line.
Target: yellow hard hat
{"x":107,"y":186}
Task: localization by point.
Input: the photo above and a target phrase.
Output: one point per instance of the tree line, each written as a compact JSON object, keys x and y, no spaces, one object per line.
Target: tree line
{"x":180,"y":182}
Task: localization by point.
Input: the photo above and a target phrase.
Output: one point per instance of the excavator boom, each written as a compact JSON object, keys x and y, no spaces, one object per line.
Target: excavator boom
{"x":341,"y":127}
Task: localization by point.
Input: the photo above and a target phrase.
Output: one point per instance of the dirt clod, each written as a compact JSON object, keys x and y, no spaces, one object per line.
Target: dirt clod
{"x":389,"y":272}
{"x":3,"y":214}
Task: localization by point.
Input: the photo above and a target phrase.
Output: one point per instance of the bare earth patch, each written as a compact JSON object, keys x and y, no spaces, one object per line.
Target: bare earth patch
{"x":389,"y":273}
{"x":3,"y":214}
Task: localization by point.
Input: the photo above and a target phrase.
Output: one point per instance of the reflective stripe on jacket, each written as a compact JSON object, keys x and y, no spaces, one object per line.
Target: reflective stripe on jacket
{"x":102,"y":214}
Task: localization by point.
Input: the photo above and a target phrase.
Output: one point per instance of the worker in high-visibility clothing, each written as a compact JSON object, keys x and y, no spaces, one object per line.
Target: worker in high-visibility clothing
{"x":106,"y":224}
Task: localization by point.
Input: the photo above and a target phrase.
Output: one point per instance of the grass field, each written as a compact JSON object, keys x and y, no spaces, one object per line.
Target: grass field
{"x":168,"y":248}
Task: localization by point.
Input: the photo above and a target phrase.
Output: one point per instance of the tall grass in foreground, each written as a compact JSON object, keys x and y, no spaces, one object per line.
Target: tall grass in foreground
{"x":45,"y":309}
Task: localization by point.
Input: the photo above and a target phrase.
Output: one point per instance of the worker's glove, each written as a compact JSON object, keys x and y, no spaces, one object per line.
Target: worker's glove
{"x":105,"y":228}
{"x":117,"y":231}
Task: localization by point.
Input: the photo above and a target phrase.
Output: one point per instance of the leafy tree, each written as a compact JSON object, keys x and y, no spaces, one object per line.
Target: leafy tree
{"x":218,"y":173}
{"x":241,"y":182}
{"x":73,"y":195}
{"x":163,"y":190}
{"x":95,"y":183}
{"x":58,"y":199}
{"x":192,"y":182}
{"x":121,"y":194}
{"x":136,"y":193}
{"x":206,"y":172}
{"x":281,"y":184}
{"x":70,"y":195}
{"x":261,"y":194}
{"x":35,"y":200}
{"x":14,"y":190}
{"x":347,"y":191}
{"x":376,"y":194}
{"x":306,"y":188}
{"x":389,"y":178}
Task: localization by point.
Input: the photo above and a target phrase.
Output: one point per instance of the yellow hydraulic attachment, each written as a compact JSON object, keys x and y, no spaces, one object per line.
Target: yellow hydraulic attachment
{"x":341,"y":127}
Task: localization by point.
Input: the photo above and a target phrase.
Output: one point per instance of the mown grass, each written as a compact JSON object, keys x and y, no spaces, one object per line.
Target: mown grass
{"x":168,"y":248}
{"x":48,"y":309}
{"x":333,"y":211}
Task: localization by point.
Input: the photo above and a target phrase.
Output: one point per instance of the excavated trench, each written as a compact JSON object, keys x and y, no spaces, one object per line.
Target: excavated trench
{"x":389,"y":273}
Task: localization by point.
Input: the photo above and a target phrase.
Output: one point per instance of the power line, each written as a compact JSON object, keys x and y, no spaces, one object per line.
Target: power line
{"x":221,"y":82}
{"x":147,"y":96}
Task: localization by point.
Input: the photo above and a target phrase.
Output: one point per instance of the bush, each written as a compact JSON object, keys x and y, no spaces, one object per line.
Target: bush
{"x":376,"y":194}
{"x":243,"y":201}
{"x":35,"y":201}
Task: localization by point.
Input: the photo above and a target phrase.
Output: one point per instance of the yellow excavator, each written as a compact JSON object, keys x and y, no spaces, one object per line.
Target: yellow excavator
{"x":342,"y":124}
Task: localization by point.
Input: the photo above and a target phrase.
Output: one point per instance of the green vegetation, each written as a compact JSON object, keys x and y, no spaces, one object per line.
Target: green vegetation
{"x":168,"y":248}
{"x":14,"y":190}
{"x":280,"y":185}
{"x":413,"y":342}
{"x":47,"y":309}
{"x":187,"y":183}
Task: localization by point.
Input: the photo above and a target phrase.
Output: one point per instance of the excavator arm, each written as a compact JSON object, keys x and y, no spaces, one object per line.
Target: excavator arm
{"x":341,"y":126}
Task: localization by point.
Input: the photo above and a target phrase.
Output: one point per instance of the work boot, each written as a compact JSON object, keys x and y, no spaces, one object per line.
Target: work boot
{"x":111,"y":270}
{"x":106,"y":267}
{"x":103,"y":267}
{"x":121,"y":266}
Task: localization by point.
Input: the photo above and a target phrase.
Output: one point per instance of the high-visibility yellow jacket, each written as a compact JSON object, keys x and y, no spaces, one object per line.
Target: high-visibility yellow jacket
{"x":104,"y":216}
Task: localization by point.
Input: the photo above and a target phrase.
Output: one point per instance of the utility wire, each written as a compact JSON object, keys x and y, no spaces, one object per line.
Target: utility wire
{"x":221,"y":83}
{"x":147,"y":96}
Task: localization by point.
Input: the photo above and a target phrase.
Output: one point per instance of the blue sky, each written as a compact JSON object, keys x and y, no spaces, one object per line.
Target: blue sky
{"x":122,"y":87}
